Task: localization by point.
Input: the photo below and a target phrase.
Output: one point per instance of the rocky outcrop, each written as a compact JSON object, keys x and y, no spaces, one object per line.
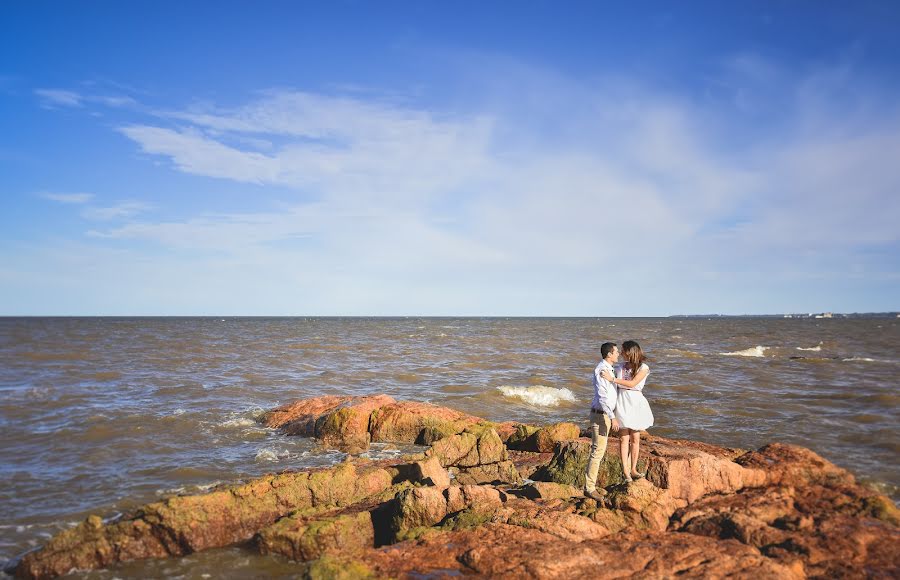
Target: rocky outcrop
{"x":460,"y":507}
{"x":498,"y":550}
{"x":687,"y":470}
{"x":185,"y":524}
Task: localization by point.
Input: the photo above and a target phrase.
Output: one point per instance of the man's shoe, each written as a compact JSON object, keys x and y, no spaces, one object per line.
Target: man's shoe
{"x":595,"y":494}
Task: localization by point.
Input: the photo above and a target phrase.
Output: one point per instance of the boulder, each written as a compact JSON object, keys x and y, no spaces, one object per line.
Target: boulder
{"x":541,"y":440}
{"x":302,"y":539}
{"x":413,"y":422}
{"x":424,"y":507}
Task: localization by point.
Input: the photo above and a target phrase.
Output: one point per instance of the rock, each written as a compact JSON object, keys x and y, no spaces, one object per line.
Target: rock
{"x":702,"y":511}
{"x":547,"y":490}
{"x":495,"y":473}
{"x":793,"y":465}
{"x":542,"y":440}
{"x":471,"y":448}
{"x":558,"y":520}
{"x":347,"y":426}
{"x":570,"y":459}
{"x":299,"y":417}
{"x":831,"y":531}
{"x":424,"y":507}
{"x":500,"y":550}
{"x":302,"y":539}
{"x":638,"y":505}
{"x":412,"y":422}
{"x":528,"y":463}
{"x":688,"y":471}
{"x":691,"y":472}
{"x":428,"y":471}
{"x":185,"y":524}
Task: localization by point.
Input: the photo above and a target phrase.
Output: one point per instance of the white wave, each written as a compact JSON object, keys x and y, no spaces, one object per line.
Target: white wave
{"x":538,"y":395}
{"x":860,"y":359}
{"x":238,"y":422}
{"x":756,"y":351}
{"x":272,"y":454}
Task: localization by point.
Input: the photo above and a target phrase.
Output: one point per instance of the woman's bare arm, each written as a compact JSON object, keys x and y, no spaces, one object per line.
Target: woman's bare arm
{"x":625,"y":383}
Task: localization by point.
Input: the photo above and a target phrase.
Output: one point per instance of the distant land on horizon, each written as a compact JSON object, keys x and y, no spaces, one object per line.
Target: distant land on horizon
{"x":814,"y":315}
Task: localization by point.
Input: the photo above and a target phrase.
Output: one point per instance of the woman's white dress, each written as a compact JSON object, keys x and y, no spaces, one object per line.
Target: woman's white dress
{"x":632,"y":409}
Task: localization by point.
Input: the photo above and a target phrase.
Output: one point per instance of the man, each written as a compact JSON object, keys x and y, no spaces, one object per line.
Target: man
{"x":602,"y":417}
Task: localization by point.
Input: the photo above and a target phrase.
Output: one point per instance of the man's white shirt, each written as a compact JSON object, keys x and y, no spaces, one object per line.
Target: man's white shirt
{"x":605,"y":392}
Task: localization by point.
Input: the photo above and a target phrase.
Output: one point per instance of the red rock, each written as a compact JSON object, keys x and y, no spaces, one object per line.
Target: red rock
{"x":504,"y":551}
{"x":794,"y":465}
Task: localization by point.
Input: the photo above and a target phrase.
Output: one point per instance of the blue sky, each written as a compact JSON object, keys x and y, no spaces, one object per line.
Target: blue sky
{"x":449,"y":158}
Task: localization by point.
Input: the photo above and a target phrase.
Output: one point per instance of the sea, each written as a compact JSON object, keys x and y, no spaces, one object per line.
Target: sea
{"x":102,"y":415}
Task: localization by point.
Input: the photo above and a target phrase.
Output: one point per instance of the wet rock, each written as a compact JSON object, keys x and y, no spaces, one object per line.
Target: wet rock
{"x":186,"y":524}
{"x":347,"y":427}
{"x":299,"y":417}
{"x":541,"y":440}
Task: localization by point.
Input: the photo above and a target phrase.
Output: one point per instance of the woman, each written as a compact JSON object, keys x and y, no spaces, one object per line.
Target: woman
{"x":632,"y":409}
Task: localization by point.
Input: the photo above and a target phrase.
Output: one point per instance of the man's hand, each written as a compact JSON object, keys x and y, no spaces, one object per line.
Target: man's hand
{"x":615,"y":425}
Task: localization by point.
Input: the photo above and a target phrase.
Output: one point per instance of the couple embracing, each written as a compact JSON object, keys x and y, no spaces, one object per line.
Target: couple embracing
{"x":619,"y":405}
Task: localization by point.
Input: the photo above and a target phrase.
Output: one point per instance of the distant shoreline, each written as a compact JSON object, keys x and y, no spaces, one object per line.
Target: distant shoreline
{"x":816,"y":316}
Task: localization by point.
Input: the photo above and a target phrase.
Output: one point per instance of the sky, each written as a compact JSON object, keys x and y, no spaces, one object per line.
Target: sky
{"x":423,"y":158}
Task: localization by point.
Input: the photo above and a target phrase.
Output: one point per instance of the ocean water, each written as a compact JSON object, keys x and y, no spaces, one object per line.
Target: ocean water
{"x":101,"y":415}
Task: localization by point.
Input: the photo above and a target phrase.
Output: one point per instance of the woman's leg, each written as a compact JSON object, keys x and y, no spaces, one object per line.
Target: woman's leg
{"x":635,"y":451}
{"x":624,"y":445}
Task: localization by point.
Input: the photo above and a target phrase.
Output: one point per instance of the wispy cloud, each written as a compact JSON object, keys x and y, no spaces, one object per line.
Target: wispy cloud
{"x":533,"y":205}
{"x":122,"y":210}
{"x":56,"y":98}
{"x":73,"y":198}
{"x":59,"y":98}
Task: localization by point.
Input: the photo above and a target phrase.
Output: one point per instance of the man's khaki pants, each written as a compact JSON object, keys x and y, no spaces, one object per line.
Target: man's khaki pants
{"x":600,"y":424}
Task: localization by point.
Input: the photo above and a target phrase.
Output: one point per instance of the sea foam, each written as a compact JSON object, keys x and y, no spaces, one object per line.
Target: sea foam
{"x":538,"y":395}
{"x":812,"y":349}
{"x":756,"y":351}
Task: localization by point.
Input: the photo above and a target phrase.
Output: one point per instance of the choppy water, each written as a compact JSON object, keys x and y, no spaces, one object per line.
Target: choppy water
{"x":99,"y":415}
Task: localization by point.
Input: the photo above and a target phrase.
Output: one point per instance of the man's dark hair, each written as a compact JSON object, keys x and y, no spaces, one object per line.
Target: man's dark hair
{"x":606,"y":348}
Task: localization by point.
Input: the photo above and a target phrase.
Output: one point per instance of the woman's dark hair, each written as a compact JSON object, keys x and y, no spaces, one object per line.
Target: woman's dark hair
{"x":633,"y":355}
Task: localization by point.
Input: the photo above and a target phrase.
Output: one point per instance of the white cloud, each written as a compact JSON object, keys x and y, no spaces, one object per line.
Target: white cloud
{"x":74,"y":198}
